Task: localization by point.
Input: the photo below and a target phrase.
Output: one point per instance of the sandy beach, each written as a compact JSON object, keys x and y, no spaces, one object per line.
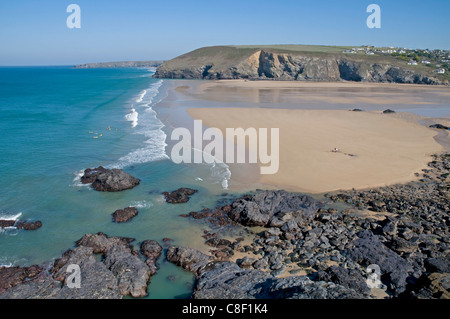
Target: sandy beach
{"x":375,"y":149}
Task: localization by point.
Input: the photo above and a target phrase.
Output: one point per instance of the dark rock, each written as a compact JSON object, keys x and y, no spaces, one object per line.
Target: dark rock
{"x":189,"y":259}
{"x":20,"y":224}
{"x":440,"y":265}
{"x":124,"y":215}
{"x":246,"y":262}
{"x":12,"y":276}
{"x":368,"y":249}
{"x":121,"y":272}
{"x":440,"y":126}
{"x":261,"y":208}
{"x":388,"y":111}
{"x":7,"y":223}
{"x":218,"y":242}
{"x":101,"y":242}
{"x":432,"y":286}
{"x":349,"y":278}
{"x":131,"y":272}
{"x":227,"y":280}
{"x":97,"y":281}
{"x":109,"y":180}
{"x":402,"y":246}
{"x":29,"y":225}
{"x":180,"y":195}
{"x":152,"y":250}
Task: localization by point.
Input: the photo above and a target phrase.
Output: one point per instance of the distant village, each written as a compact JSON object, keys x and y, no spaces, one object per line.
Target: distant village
{"x":437,"y":59}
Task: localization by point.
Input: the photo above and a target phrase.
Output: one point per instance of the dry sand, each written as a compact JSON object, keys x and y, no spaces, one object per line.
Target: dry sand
{"x":386,"y":148}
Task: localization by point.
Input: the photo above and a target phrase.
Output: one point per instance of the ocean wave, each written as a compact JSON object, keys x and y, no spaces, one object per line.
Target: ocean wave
{"x":132,"y":117}
{"x":219,"y":172}
{"x":4,"y":215}
{"x":6,"y":261}
{"x":150,"y":127}
{"x":9,"y":216}
{"x":141,"y":96}
{"x":76,"y":182}
{"x":141,"y":204}
{"x":154,"y":150}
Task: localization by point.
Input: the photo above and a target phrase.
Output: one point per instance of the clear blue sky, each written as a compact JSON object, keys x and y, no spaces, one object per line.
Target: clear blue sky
{"x":34,"y":32}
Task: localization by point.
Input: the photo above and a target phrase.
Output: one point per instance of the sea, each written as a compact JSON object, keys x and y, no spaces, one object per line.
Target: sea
{"x":57,"y":121}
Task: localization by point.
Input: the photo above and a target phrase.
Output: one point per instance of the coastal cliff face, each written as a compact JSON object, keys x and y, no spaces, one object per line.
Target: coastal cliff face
{"x":264,"y":64}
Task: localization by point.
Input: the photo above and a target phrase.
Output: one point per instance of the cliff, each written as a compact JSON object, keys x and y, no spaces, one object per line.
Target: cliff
{"x":298,"y":63}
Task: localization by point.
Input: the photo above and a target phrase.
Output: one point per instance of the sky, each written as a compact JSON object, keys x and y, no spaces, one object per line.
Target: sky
{"x":35,"y":32}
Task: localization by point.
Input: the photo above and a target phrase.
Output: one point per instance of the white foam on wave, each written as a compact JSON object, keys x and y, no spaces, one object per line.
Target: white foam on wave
{"x":11,"y":231}
{"x":219,"y":172}
{"x":132,"y":117}
{"x":141,"y":96}
{"x":150,"y":126}
{"x":76,"y":182}
{"x":141,"y":204}
{"x":8,"y":216}
{"x":154,"y":150}
{"x":7,"y":263}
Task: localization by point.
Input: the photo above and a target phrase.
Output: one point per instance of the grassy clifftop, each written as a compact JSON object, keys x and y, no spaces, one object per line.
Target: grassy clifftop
{"x":298,"y":62}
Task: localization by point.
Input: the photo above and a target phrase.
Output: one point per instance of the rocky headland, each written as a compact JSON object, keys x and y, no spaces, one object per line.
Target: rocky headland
{"x":292,"y":63}
{"x":122,"y":64}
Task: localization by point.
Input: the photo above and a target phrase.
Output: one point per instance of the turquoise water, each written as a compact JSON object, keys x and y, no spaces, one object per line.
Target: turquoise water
{"x":57,"y":121}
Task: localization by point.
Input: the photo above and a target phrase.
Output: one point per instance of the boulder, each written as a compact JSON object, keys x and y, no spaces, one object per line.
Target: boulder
{"x":152,"y":250}
{"x":124,"y":215}
{"x":218,"y":242}
{"x":440,"y":265}
{"x":132,"y":274}
{"x":101,"y":242}
{"x":179,"y":196}
{"x":7,"y":223}
{"x":350,"y":278}
{"x":29,"y":225}
{"x":274,"y":207}
{"x":109,"y":180}
{"x":440,"y":126}
{"x":189,"y":259}
{"x":367,"y":249}
{"x":97,"y":281}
